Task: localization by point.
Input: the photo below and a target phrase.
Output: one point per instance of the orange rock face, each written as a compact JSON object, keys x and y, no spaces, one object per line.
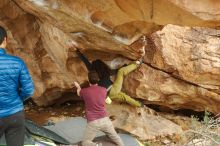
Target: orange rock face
{"x":160,"y":88}
{"x":181,"y":63}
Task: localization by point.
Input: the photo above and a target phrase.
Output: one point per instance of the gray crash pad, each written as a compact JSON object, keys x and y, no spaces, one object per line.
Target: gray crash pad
{"x":72,"y":129}
{"x":69,"y":131}
{"x":127,"y":139}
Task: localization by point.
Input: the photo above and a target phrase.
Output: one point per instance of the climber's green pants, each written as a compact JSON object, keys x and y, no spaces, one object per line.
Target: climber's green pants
{"x":115,"y":91}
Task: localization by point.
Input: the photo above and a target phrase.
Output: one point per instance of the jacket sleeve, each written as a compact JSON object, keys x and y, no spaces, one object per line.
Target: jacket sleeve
{"x":84,"y":60}
{"x":26,"y":84}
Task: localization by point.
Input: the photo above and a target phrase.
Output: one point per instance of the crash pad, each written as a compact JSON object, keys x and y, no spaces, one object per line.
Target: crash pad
{"x":35,"y":129}
{"x":66,"y":132}
{"x":73,"y":129}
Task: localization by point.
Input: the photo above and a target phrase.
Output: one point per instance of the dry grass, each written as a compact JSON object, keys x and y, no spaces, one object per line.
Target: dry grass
{"x":205,"y":134}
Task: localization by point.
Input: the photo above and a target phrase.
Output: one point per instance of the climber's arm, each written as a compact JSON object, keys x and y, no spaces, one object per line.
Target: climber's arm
{"x":84,"y":60}
{"x":78,"y":88}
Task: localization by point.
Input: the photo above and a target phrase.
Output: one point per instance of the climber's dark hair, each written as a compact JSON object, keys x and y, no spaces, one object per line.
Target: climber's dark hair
{"x":93,"y":77}
{"x":3,"y":34}
{"x":101,"y":68}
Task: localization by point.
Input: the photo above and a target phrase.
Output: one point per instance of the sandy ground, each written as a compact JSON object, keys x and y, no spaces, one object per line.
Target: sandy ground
{"x":42,"y":115}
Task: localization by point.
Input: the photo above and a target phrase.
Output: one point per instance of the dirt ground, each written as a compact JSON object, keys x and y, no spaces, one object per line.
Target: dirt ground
{"x":42,"y":115}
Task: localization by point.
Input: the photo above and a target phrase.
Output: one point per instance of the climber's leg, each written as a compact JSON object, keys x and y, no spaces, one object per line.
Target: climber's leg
{"x":122,"y":97}
{"x":117,"y":85}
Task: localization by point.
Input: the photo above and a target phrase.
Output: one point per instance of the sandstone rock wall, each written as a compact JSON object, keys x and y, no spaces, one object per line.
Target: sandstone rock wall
{"x":181,"y":67}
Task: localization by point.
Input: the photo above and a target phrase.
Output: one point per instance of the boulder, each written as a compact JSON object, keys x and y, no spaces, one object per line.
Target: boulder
{"x":142,"y":122}
{"x":181,"y":63}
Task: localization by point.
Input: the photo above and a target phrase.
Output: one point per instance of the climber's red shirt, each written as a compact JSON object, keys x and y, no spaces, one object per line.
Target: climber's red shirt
{"x":94,"y":97}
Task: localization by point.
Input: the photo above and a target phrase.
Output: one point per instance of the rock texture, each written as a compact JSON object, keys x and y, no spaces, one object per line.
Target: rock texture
{"x":191,"y":54}
{"x":160,"y":88}
{"x":142,"y":122}
{"x":185,"y":69}
{"x":206,"y":10}
{"x":181,"y":64}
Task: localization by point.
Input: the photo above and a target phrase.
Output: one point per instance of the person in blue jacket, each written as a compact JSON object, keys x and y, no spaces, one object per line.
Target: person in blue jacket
{"x":16,"y":86}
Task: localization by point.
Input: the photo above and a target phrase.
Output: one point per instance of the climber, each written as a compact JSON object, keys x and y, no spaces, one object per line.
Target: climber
{"x":105,"y":72}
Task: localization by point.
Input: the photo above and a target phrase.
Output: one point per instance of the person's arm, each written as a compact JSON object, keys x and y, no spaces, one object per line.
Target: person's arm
{"x":84,"y":60}
{"x":78,"y":88}
{"x":26,"y":85}
{"x":73,"y":44}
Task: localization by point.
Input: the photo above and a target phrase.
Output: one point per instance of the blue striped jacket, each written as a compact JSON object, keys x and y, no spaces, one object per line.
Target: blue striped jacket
{"x":16,"y":84}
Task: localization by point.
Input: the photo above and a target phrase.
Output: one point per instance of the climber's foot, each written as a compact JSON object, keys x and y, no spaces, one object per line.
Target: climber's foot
{"x":142,"y":49}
